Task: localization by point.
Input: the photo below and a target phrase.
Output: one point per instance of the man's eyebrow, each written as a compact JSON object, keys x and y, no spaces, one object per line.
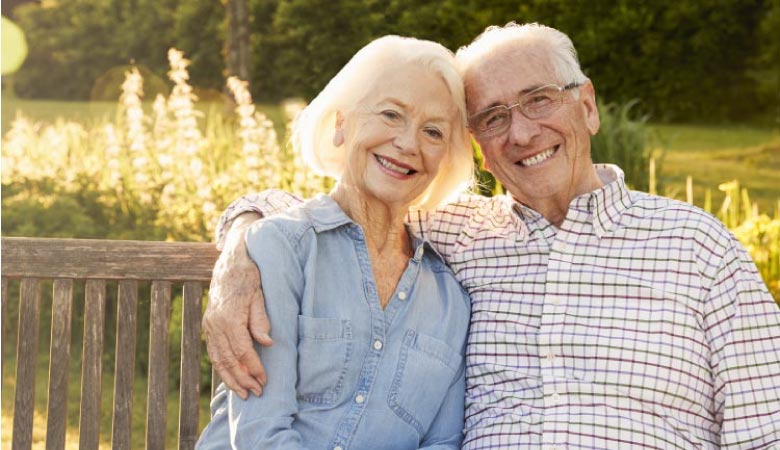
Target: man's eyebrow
{"x":522,"y":92}
{"x":531,"y":88}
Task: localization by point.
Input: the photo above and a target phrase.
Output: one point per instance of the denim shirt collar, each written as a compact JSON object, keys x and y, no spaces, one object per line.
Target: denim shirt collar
{"x":325,"y":215}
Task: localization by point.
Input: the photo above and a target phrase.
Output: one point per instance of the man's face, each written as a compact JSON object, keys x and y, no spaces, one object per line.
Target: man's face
{"x":540,"y":160}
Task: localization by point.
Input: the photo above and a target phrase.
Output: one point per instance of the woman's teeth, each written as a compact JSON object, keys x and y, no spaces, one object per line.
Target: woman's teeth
{"x":390,"y":166}
{"x":539,"y":157}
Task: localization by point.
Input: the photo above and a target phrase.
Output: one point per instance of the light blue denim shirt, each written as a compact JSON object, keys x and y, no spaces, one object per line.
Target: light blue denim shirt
{"x":343,"y":373}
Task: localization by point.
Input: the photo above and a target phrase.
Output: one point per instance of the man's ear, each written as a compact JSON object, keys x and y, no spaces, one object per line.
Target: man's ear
{"x":338,"y":132}
{"x":591,"y":110}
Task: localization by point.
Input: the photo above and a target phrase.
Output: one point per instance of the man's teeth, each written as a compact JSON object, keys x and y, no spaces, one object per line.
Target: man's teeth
{"x":539,"y":157}
{"x":390,"y":166}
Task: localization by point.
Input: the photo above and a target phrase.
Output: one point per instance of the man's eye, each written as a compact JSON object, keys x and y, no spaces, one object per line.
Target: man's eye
{"x":494,"y":119}
{"x":539,"y":99}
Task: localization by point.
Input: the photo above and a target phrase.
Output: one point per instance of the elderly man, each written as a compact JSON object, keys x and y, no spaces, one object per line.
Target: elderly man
{"x":601,"y":317}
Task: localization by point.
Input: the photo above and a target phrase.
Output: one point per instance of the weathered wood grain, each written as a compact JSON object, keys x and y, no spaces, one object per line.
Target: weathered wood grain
{"x":107,"y":260}
{"x":59,"y":358}
{"x":157,"y":392}
{"x":189,"y":389}
{"x":27,"y":349}
{"x":4,"y":321}
{"x":124,"y":368}
{"x":92,"y":364}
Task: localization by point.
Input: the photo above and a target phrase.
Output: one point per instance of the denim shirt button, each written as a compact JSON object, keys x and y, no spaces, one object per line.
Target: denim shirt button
{"x":338,"y":447}
{"x":377,"y":345}
{"x":360,"y":398}
{"x":402,"y":295}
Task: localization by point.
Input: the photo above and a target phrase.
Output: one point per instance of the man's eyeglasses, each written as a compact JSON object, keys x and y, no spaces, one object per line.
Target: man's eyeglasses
{"x":537,"y":104}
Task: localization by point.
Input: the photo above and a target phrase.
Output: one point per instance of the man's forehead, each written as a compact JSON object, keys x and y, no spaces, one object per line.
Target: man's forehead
{"x":502,"y":75}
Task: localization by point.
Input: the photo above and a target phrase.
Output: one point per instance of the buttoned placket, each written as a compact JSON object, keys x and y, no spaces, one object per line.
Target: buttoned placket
{"x":380,"y":323}
{"x":552,"y":359}
{"x":552,"y":371}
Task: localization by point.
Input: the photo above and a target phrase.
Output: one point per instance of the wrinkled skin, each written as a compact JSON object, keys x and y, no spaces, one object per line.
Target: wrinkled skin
{"x":236,"y":305}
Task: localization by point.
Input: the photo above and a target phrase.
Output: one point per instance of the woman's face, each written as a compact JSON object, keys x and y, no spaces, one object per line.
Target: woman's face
{"x":397,"y":135}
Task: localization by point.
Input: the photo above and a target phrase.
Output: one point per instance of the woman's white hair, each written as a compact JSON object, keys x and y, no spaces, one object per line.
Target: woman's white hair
{"x":557,"y":44}
{"x":313,"y":129}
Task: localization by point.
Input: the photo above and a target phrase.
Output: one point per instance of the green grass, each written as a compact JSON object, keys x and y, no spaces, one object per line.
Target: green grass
{"x":682,"y":138}
{"x":712,"y":155}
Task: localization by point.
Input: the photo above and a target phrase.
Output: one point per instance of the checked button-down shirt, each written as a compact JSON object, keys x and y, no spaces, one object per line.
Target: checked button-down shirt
{"x":640,"y":323}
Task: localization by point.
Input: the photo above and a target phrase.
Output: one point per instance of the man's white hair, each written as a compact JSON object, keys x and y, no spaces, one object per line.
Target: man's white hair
{"x":314,"y":127}
{"x":563,"y":55}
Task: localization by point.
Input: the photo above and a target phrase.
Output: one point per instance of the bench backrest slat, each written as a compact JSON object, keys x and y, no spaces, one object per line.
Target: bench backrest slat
{"x":124,"y":367}
{"x":157,"y":392}
{"x":92,"y":364}
{"x":27,"y":349}
{"x":59,"y":358}
{"x":4,"y":315}
{"x":189,"y":390}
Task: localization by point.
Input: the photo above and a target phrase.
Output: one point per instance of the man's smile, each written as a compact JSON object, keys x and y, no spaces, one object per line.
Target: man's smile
{"x":539,"y":157}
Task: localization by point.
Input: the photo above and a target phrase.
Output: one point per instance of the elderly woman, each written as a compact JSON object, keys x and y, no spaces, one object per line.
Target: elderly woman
{"x":369,"y":324}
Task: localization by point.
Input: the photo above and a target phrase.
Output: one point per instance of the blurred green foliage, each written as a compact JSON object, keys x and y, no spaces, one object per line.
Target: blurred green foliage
{"x":692,"y":60}
{"x":626,"y":141}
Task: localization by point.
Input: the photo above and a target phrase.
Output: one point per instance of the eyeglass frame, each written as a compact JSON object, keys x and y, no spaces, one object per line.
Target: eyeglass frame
{"x":509,"y":108}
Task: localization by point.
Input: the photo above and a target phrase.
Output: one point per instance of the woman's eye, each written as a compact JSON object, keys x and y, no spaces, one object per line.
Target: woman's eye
{"x":390,"y":114}
{"x":434,"y":133}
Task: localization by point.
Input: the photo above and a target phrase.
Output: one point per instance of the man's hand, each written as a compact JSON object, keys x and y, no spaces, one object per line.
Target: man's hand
{"x":235,"y":309}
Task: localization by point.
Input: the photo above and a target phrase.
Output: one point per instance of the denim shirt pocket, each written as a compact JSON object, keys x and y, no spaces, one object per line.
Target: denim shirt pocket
{"x":425,"y":371}
{"x":324,"y":352}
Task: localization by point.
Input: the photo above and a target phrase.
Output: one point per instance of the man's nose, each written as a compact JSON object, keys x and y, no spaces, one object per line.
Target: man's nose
{"x":522,"y":130}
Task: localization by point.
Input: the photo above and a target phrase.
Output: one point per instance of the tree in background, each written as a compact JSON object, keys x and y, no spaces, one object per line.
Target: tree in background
{"x":72,"y":43}
{"x":199,"y":31}
{"x":766,"y":66}
{"x":685,"y":60}
{"x":237,"y":60}
{"x":682,"y":59}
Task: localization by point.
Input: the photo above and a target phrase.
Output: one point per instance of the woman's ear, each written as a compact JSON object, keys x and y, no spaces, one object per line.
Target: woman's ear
{"x":338,"y":132}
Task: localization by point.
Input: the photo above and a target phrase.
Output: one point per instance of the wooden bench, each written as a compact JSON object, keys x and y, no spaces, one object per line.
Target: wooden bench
{"x":164,"y":264}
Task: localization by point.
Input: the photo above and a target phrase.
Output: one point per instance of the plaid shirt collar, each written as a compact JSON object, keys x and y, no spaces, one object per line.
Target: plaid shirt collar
{"x":606,"y":205}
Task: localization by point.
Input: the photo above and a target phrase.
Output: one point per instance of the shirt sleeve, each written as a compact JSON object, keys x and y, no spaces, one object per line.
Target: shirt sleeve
{"x":743,"y":326}
{"x":266,"y":421}
{"x":266,"y":203}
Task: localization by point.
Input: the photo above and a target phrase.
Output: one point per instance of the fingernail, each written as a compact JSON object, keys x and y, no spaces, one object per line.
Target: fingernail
{"x":265,"y":337}
{"x":257,"y":391}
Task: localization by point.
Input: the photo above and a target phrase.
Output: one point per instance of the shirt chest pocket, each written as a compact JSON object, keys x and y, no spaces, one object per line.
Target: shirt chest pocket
{"x":426,"y":369}
{"x":324,"y":352}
